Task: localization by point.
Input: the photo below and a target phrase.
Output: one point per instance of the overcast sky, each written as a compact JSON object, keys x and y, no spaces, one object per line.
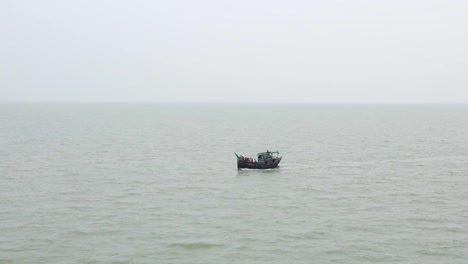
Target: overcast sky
{"x":234,"y":51}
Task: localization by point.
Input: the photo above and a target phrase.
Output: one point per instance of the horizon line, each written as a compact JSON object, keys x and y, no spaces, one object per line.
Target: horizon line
{"x":211,"y":102}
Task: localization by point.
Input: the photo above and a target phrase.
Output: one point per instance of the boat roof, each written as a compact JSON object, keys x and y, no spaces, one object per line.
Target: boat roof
{"x":267,"y":153}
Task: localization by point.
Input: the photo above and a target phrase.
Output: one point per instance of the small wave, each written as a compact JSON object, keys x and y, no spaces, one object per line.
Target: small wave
{"x":92,"y":232}
{"x":420,"y":162}
{"x":196,"y":245}
{"x":433,"y":252}
{"x":299,"y":166}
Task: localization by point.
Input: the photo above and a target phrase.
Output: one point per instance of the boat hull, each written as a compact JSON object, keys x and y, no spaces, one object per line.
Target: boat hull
{"x":252,"y":165}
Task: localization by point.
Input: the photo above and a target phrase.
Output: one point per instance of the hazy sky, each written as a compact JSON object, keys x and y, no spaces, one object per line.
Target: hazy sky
{"x":225,"y":51}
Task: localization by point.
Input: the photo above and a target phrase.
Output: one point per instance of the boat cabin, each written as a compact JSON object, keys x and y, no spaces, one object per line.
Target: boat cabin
{"x":267,"y":157}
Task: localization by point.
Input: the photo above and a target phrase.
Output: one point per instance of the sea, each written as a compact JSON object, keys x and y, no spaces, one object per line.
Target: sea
{"x":158,"y":183}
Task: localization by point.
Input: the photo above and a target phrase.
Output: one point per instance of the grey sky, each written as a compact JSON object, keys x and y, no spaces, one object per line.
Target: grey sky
{"x":224,"y":51}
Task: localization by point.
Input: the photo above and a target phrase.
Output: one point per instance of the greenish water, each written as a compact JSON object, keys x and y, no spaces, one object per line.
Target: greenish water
{"x":158,"y":183}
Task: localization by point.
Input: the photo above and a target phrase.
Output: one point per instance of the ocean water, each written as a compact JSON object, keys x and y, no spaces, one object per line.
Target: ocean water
{"x":158,"y":183}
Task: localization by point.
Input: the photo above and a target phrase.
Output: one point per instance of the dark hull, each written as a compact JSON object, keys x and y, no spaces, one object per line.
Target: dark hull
{"x":250,"y":165}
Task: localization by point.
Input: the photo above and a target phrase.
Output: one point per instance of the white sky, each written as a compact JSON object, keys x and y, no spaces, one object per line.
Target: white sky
{"x":234,"y":51}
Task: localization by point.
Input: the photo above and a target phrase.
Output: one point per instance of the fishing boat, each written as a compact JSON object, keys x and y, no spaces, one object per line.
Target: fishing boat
{"x":265,"y":160}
